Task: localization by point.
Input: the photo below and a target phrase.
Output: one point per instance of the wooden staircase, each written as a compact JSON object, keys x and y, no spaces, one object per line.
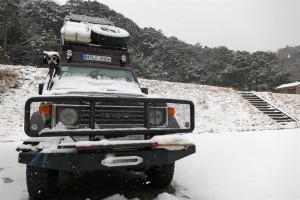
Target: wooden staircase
{"x":267,"y":108}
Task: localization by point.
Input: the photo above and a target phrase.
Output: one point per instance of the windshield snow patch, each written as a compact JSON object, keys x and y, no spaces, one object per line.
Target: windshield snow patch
{"x":81,"y":84}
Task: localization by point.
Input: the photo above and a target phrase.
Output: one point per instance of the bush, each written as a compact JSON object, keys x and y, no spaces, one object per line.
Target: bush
{"x":8,"y":79}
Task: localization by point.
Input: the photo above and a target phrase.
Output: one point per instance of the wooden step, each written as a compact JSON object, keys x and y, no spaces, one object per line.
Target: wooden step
{"x":282,"y":121}
{"x":277,"y":115}
{"x":262,"y":106}
{"x":272,"y":112}
{"x":281,"y":118}
{"x":256,"y":101}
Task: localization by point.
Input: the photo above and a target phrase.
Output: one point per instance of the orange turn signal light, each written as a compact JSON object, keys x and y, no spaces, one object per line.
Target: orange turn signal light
{"x":45,"y":109}
{"x":171,"y":111}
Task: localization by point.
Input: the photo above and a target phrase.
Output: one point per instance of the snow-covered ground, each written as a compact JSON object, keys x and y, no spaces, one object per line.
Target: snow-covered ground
{"x":244,"y":165}
{"x":232,"y":164}
{"x":12,"y":102}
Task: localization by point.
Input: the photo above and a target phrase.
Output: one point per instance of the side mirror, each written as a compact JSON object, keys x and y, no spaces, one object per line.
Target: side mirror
{"x":41,"y":86}
{"x":144,"y":90}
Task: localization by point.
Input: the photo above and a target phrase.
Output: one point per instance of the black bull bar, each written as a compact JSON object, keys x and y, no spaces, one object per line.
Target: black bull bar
{"x":146,"y":130}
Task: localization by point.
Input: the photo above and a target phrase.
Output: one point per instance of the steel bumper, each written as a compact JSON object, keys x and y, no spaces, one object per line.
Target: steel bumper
{"x":91,"y":161}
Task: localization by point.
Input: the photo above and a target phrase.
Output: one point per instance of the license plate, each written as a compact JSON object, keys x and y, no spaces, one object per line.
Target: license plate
{"x":96,"y":58}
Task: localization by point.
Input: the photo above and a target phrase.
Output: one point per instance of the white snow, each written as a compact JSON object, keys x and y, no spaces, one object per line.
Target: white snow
{"x":294,"y":84}
{"x":12,"y":171}
{"x":81,"y":84}
{"x":50,"y":145}
{"x":51,"y":53}
{"x":171,"y":139}
{"x":239,"y":165}
{"x":117,"y":197}
{"x":12,"y":102}
{"x":251,"y":165}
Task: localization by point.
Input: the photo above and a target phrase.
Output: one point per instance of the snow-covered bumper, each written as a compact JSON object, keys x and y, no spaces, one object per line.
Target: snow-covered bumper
{"x":107,"y":116}
{"x":130,"y":156}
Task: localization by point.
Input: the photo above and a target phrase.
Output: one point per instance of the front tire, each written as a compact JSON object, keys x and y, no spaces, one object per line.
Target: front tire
{"x":41,"y":182}
{"x":160,"y":177}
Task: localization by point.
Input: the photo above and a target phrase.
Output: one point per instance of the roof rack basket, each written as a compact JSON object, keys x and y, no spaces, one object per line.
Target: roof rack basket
{"x":84,"y":18}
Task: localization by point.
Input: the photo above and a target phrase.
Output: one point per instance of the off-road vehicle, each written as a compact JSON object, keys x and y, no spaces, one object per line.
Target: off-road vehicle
{"x":92,"y":115}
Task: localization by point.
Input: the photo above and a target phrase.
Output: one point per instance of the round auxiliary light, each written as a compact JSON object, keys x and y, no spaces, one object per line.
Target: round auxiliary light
{"x":69,"y":54}
{"x":68,"y":116}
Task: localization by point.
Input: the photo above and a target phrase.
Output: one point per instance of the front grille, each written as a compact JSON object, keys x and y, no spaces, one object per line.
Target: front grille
{"x":114,"y":116}
{"x":122,"y":116}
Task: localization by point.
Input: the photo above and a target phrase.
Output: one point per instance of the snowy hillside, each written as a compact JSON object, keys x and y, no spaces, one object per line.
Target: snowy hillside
{"x":12,"y":101}
{"x":221,"y":109}
{"x":217,"y":109}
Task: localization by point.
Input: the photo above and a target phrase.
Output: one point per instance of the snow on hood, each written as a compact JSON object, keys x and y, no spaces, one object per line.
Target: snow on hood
{"x":90,"y":86}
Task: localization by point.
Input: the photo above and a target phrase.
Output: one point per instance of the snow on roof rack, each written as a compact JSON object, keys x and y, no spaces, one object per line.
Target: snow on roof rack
{"x":84,"y":18}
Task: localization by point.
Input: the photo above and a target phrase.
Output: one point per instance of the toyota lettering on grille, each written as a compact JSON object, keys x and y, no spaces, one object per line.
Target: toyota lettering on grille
{"x":114,"y":115}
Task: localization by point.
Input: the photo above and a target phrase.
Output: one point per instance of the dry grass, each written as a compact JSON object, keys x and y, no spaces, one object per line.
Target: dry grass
{"x":8,"y":79}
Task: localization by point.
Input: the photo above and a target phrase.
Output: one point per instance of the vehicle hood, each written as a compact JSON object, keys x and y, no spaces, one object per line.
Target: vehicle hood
{"x":77,"y":85}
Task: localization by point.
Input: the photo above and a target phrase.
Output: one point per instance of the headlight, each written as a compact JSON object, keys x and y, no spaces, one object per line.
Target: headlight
{"x":68,"y":116}
{"x":157,"y":117}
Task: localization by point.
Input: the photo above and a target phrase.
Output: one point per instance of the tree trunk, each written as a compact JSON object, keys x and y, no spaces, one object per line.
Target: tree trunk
{"x":5,"y":30}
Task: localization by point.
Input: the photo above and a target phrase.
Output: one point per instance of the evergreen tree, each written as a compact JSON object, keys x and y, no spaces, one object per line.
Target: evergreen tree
{"x":9,"y":23}
{"x":30,"y":27}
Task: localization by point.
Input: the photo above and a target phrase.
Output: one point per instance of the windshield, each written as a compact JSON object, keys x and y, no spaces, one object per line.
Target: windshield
{"x":97,"y":73}
{"x":93,"y":80}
